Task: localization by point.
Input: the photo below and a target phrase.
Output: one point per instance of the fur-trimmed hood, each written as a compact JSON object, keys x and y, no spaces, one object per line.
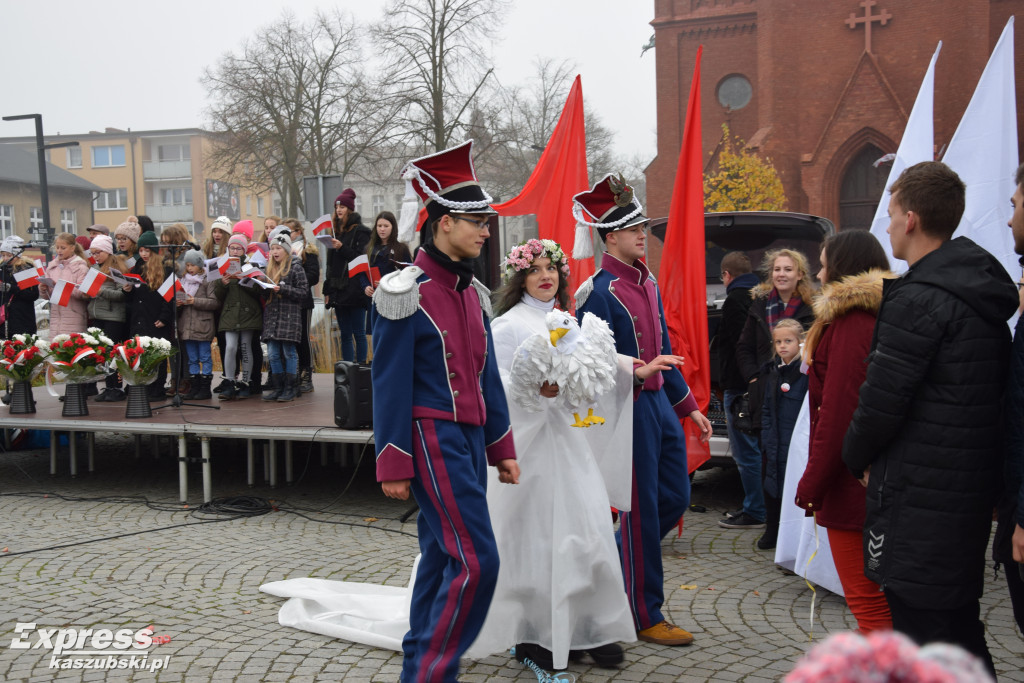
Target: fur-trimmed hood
{"x":855,"y":292}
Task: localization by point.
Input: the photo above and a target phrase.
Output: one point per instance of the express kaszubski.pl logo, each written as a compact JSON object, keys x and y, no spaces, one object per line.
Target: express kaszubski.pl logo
{"x":89,"y":648}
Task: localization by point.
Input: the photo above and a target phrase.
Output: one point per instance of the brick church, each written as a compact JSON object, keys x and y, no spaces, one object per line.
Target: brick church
{"x":822,"y":87}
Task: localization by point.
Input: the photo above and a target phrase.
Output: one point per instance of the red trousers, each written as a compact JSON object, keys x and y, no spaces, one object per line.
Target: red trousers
{"x":864,"y":597}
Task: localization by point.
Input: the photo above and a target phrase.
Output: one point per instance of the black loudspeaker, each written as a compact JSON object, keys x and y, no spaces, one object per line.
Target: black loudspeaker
{"x":353,"y":395}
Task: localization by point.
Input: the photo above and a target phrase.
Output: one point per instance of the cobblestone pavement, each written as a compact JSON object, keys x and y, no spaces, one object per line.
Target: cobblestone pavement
{"x":198,"y":584}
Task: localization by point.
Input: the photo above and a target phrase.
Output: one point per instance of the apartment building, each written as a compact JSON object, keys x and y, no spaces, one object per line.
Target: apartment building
{"x":163,"y":174}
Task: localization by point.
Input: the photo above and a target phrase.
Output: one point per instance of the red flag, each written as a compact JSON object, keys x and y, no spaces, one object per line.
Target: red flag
{"x":169,"y":287}
{"x":561,"y":173}
{"x":61,"y":294}
{"x":29,"y":277}
{"x":321,"y":224}
{"x":92,"y":282}
{"x":683,"y":278}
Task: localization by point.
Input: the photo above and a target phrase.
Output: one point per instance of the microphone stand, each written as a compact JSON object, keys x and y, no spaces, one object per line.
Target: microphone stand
{"x":177,"y":401}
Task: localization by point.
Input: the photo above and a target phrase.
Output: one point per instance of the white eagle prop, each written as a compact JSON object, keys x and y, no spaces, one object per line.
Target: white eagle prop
{"x":582,"y":361}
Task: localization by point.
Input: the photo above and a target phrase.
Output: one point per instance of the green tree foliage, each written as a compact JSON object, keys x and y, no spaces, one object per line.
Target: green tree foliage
{"x":743,"y":180}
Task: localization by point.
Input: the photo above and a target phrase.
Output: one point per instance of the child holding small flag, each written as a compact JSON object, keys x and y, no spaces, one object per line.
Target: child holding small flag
{"x":17,"y":302}
{"x":149,"y":313}
{"x":68,"y":315}
{"x":196,"y":325}
{"x":241,"y":317}
{"x":107,"y":308}
{"x":282,"y":318}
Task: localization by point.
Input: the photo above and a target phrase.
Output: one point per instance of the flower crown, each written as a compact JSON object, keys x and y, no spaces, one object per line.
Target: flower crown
{"x":522,"y":256}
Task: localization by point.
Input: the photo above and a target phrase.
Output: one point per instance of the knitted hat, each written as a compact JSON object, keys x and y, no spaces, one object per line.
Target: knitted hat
{"x":83,"y":241}
{"x":608,"y":206}
{"x":244,"y":228}
{"x":195,"y":257}
{"x":103,"y":243}
{"x":347,"y":198}
{"x":101,"y":229}
{"x":239,"y":239}
{"x":12,"y":245}
{"x":222,"y":223}
{"x":282,"y":240}
{"x":277,"y":231}
{"x":149,"y":240}
{"x":129,"y":230}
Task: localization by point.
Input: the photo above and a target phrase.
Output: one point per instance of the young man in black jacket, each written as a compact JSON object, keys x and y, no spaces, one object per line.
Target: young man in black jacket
{"x":739,"y":280}
{"x":926,"y":438}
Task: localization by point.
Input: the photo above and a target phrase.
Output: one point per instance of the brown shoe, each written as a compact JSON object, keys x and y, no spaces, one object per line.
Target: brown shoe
{"x":666,"y":634}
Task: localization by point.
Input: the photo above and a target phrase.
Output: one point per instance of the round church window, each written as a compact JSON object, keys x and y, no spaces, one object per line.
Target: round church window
{"x":734,"y":92}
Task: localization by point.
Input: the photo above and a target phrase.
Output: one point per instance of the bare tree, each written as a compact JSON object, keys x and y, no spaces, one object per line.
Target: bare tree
{"x":435,"y":57}
{"x":293,"y":104}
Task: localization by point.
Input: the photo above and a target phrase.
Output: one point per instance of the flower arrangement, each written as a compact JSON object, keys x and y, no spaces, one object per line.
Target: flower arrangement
{"x":139,"y":358}
{"x":80,"y":357}
{"x":22,"y":357}
{"x":525,"y":253}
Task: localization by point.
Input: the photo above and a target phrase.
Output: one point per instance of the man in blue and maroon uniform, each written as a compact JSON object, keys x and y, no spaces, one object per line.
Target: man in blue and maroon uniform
{"x":625,"y":295}
{"x":440,"y":415}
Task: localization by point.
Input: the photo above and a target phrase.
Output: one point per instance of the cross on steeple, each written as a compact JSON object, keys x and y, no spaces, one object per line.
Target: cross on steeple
{"x":867,"y":20}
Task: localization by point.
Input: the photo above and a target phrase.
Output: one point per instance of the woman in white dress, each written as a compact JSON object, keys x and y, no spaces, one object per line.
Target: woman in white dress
{"x":560,"y":591}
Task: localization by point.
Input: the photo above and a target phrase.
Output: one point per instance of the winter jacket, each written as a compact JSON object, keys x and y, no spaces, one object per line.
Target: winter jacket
{"x":1011,"y":505}
{"x":311,"y":266}
{"x":73,"y":317}
{"x":146,"y":306}
{"x":784,"y":390}
{"x":109,"y":303}
{"x":339,"y":289}
{"x":754,"y":348}
{"x":282,"y":318}
{"x":196,"y":320}
{"x":929,"y":425}
{"x":240,"y":307}
{"x":19,"y":304}
{"x":844,"y":320}
{"x":383,"y":257}
{"x":734,"y":315}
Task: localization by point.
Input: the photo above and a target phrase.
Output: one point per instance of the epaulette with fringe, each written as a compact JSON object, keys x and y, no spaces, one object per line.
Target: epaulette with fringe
{"x":398,"y":295}
{"x":484,"y":295}
{"x":584,"y":291}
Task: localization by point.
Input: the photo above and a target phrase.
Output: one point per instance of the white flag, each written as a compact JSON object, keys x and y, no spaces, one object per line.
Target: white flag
{"x":983,"y":152}
{"x":916,"y":145}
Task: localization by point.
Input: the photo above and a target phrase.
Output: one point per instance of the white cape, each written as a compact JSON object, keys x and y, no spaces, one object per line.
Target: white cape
{"x":803,"y":545}
{"x":560,"y":582}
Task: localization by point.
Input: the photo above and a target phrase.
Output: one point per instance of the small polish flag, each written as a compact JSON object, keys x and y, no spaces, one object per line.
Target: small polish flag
{"x":169,"y":287}
{"x":133,"y":276}
{"x":92,"y":282}
{"x":360,"y":264}
{"x":223,"y":264}
{"x":29,"y":277}
{"x":321,"y":224}
{"x":62,"y":293}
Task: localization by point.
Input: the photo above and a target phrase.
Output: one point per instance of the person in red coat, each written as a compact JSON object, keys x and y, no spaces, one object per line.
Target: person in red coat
{"x":853,"y":267}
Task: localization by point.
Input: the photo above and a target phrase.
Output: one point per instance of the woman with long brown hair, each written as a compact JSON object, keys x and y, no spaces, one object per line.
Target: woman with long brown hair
{"x":149,"y":314}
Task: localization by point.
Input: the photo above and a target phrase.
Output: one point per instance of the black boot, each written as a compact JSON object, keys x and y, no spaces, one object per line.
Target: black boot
{"x":194,"y":385}
{"x":290,"y":384}
{"x":222,"y":387}
{"x":230,"y":391}
{"x":204,"y":382}
{"x":307,"y":380}
{"x":276,"y":381}
{"x":244,"y":389}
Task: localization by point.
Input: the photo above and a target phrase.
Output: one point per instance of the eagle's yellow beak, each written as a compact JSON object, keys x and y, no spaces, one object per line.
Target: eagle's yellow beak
{"x":558,"y":334}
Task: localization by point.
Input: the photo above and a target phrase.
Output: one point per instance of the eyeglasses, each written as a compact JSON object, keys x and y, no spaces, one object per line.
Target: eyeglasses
{"x":481,"y":224}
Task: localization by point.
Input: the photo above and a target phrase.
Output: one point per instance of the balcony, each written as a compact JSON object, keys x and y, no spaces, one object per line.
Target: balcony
{"x":166,"y":170}
{"x":170,"y":213}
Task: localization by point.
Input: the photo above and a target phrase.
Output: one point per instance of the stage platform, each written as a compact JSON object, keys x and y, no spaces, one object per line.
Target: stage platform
{"x":308,"y":419}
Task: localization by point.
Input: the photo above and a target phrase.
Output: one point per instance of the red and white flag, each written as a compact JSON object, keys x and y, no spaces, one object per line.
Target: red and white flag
{"x":360,"y":264}
{"x":171,"y":285}
{"x":61,"y":295}
{"x":321,"y":224}
{"x":92,"y":282}
{"x":29,"y":277}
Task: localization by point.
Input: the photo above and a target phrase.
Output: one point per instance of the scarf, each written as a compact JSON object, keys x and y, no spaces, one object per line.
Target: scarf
{"x":461,"y":269}
{"x":776,"y":311}
{"x":533,"y":302}
{"x":190,"y":283}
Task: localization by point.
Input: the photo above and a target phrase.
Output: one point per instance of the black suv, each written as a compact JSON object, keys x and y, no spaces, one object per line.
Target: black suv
{"x":753,"y":232}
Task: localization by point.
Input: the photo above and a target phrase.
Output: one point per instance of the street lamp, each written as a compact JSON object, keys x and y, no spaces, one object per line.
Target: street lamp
{"x":41,"y":154}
